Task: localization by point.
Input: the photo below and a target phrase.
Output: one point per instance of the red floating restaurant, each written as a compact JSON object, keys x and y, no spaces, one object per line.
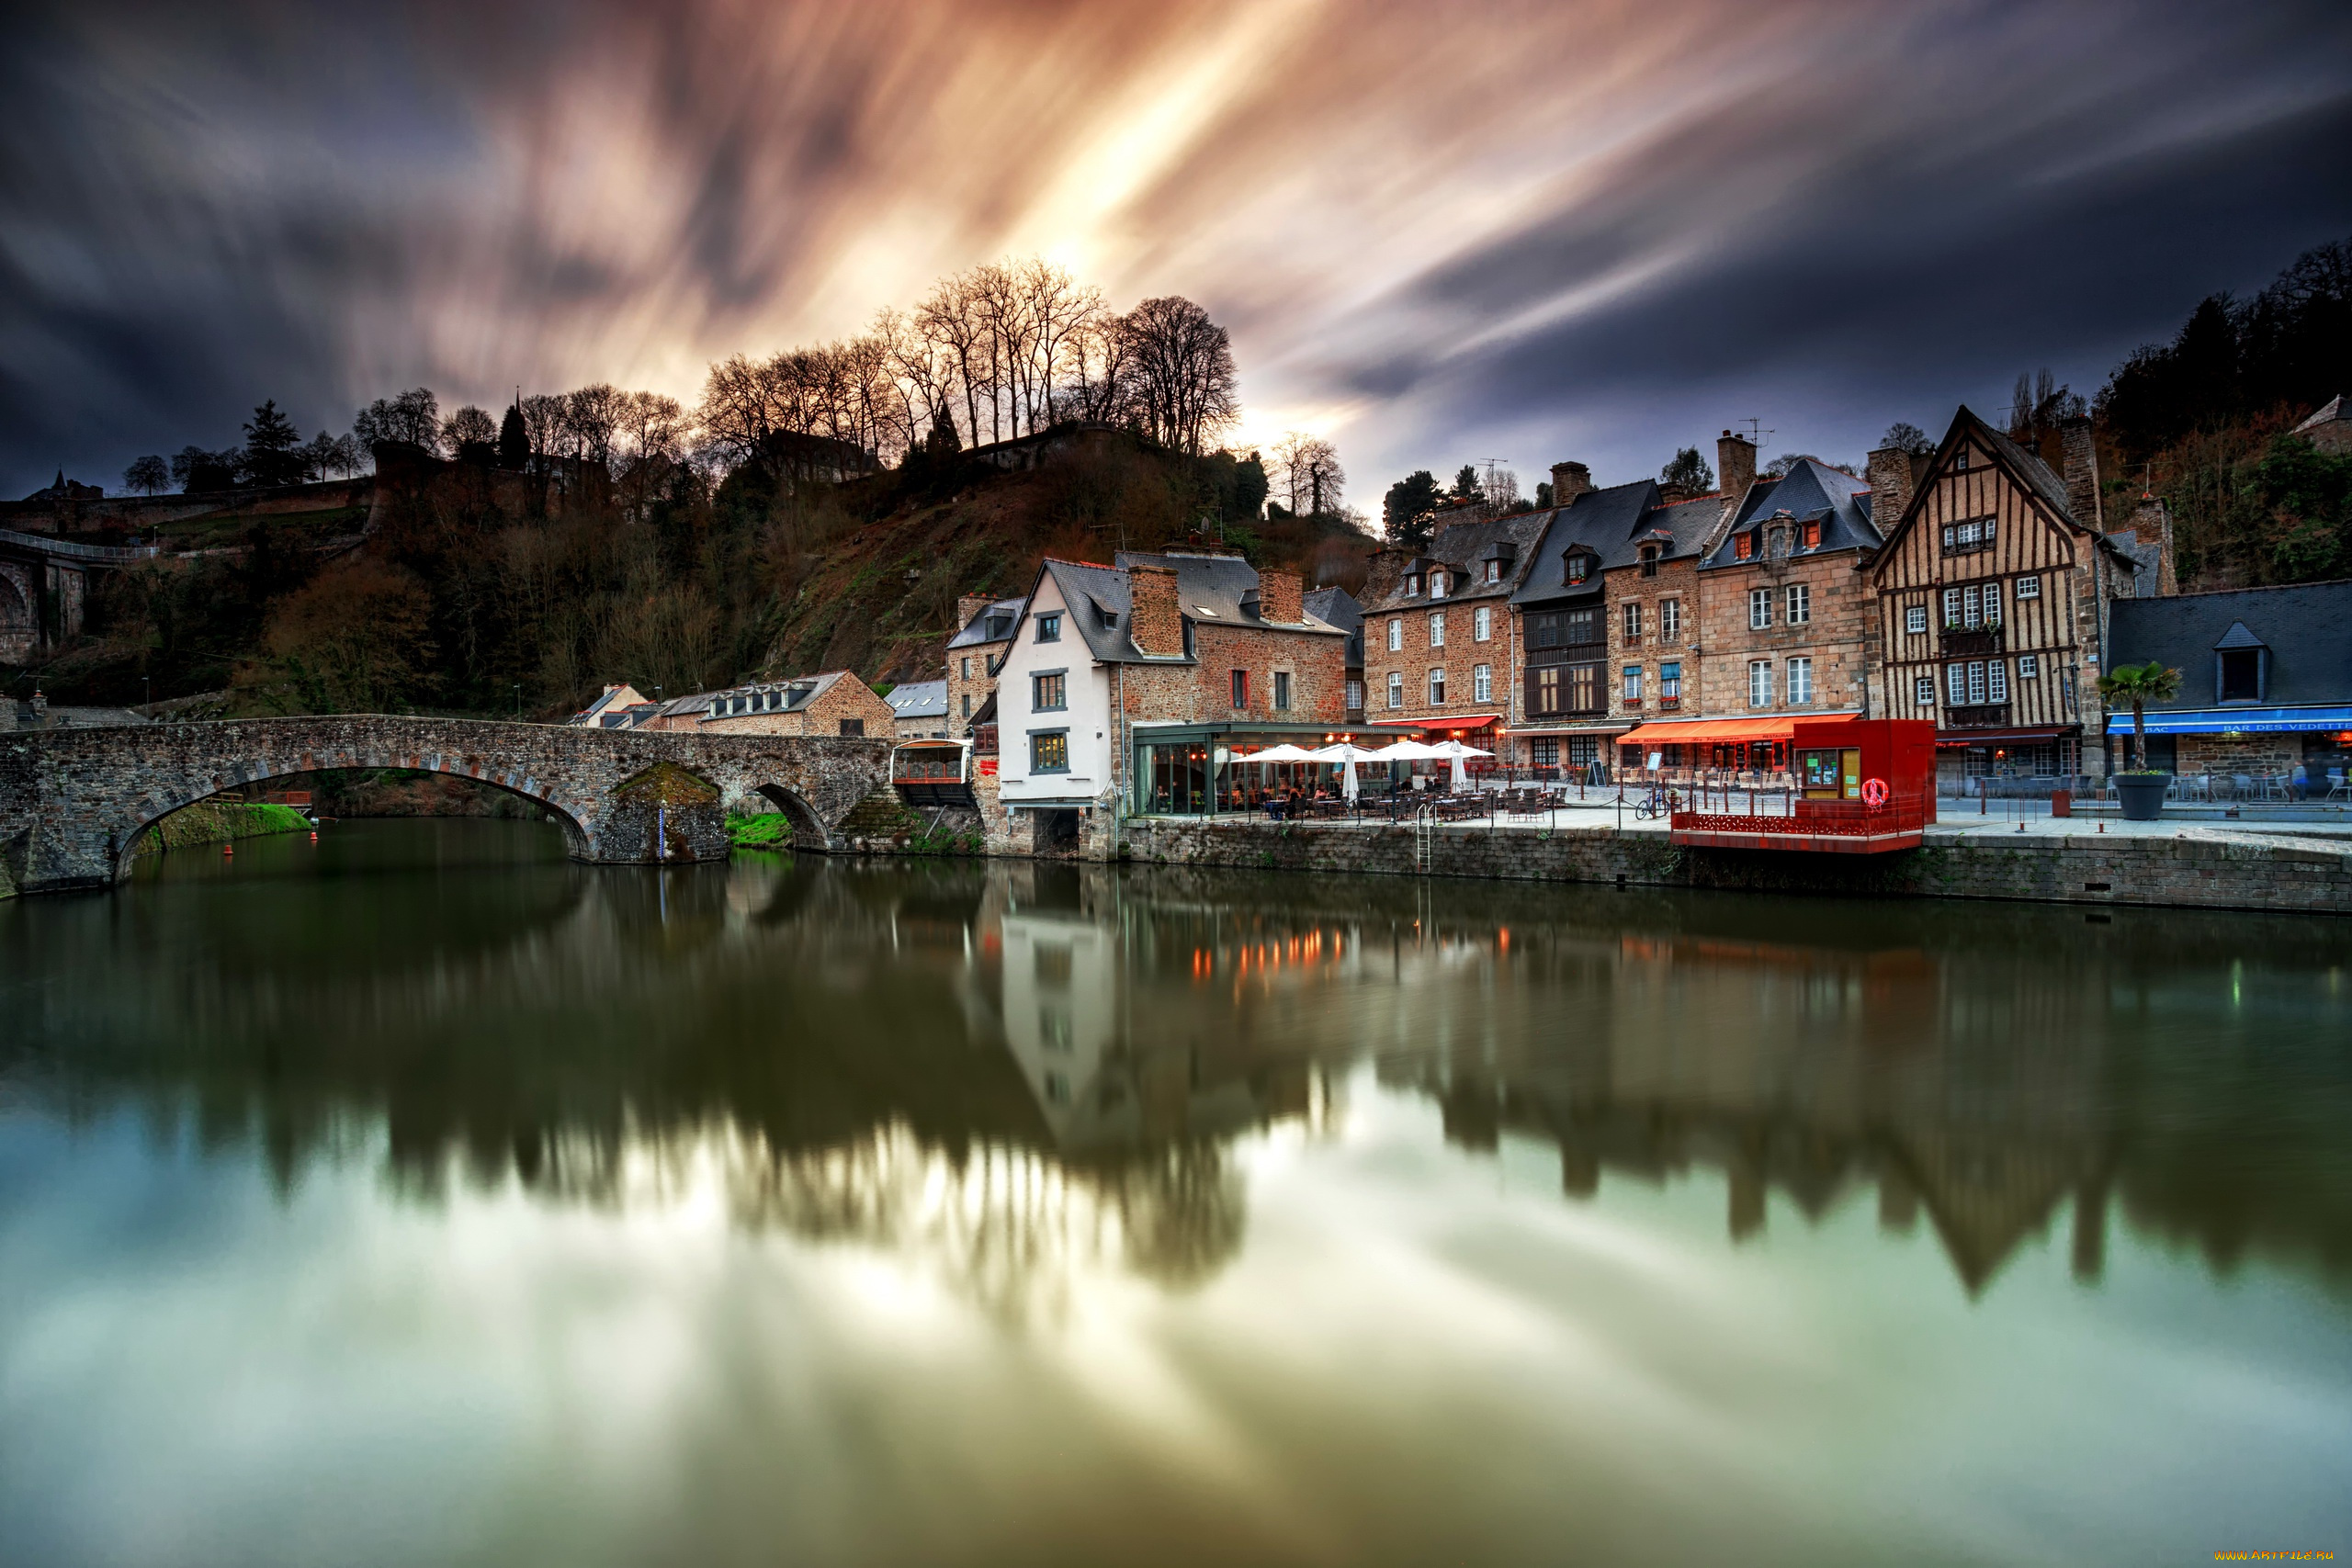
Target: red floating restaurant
{"x":1854,"y":785}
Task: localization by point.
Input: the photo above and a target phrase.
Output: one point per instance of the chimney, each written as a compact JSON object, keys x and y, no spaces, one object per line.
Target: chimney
{"x":1157,"y":622}
{"x":1282,"y":598}
{"x":2082,"y":473}
{"x":2151,"y":526}
{"x":1570,"y":480}
{"x":1891,"y":471}
{"x":967,"y":606}
{"x":1735,"y":463}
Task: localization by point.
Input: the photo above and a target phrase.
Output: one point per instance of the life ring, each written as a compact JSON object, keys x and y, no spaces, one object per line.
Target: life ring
{"x":1874,"y":793}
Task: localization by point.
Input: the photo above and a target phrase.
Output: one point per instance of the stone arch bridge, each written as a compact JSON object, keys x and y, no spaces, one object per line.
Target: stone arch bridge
{"x":73,"y":799}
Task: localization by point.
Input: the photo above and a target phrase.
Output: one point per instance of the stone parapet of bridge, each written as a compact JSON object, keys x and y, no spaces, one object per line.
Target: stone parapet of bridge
{"x":73,"y":800}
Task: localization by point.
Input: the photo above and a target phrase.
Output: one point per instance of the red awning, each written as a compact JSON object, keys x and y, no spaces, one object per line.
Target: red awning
{"x":1466,"y":721}
{"x":1707,"y":731}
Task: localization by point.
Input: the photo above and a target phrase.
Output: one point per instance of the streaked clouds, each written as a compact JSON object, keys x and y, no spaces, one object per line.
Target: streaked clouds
{"x":1438,"y":232}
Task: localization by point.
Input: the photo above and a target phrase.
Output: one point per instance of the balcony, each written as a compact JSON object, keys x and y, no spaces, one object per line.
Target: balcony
{"x":1978,"y":715}
{"x":1974,"y":642}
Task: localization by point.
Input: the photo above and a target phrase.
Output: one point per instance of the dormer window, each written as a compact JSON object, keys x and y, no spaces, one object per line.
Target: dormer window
{"x":1742,"y":546}
{"x":1437,"y":585}
{"x":1494,"y":571}
{"x":1813,"y":536}
{"x":1649,"y":560}
{"x":1579,"y":568}
{"x":2241,"y":667}
{"x":1413,"y":586}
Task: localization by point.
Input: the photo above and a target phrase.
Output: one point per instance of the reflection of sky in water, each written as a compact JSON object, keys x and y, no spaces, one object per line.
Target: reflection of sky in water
{"x":1185,"y":1233}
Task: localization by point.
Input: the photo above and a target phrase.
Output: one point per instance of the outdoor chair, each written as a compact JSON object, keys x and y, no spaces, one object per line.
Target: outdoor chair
{"x":2337,"y":786}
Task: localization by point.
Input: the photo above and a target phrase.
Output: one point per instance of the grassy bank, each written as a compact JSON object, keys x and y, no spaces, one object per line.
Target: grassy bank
{"x":769,"y":830}
{"x":217,"y":822}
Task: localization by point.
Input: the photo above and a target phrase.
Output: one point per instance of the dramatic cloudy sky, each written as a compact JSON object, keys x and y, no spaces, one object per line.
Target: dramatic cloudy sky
{"x":1438,"y":232}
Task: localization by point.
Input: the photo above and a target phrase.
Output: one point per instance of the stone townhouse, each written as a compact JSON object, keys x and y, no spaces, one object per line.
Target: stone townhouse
{"x":1138,"y":686}
{"x":1993,"y":590}
{"x":1606,"y":616}
{"x":1337,"y":607}
{"x":983,"y":633}
{"x":834,"y":703}
{"x":1787,"y":616}
{"x":1438,"y":643}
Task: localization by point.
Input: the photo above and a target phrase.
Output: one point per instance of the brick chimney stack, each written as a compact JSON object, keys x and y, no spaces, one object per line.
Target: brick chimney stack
{"x":1157,"y":620}
{"x":1282,"y":598}
{"x":1891,"y":471}
{"x":1735,"y":463}
{"x":1570,"y":480}
{"x":967,"y":606}
{"x":2082,"y":473}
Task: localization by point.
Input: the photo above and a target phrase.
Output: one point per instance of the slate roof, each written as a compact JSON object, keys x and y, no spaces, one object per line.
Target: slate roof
{"x":799,"y":693}
{"x":1811,"y":492}
{"x":1462,"y":548}
{"x":1211,"y":590}
{"x":2307,"y":627}
{"x":1337,"y":607}
{"x":1611,"y":525}
{"x":975,"y":631}
{"x":919,"y":699}
{"x":2329,"y":414}
{"x":2032,"y":469}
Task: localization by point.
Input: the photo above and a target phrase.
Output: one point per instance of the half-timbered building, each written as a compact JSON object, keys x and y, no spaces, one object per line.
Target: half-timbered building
{"x":1992,"y":591}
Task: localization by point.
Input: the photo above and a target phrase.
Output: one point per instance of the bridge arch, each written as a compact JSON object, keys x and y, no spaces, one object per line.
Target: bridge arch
{"x":808,"y":829}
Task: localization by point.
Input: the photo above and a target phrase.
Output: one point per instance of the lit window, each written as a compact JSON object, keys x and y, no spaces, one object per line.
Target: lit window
{"x":1049,"y":627}
{"x":1800,"y":682}
{"x":1437,"y":628}
{"x":1759,"y":608}
{"x":1482,"y":684}
{"x":1437,"y":688}
{"x":1799,"y":606}
{"x":1396,"y":688}
{"x":1050,"y":751}
{"x":1482,"y":623}
{"x":1915,"y":619}
{"x":1759,"y":683}
{"x":1395,"y":634}
{"x":2028,"y":588}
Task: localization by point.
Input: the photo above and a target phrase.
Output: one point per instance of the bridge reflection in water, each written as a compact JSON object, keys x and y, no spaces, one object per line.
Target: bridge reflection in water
{"x":1011,"y":1069}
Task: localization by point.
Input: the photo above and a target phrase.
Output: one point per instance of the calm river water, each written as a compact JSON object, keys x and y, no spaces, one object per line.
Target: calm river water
{"x":418,"y":1197}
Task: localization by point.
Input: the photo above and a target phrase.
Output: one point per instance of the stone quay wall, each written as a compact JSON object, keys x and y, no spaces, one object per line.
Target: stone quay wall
{"x":72,"y":800}
{"x":2185,"y":872}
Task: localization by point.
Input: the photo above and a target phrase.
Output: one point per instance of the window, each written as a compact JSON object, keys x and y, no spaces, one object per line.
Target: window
{"x":1396,"y":688}
{"x":1437,"y":628}
{"x":1971,"y":602}
{"x":1545,"y":754}
{"x":1482,"y":623}
{"x":1800,"y":680}
{"x":1191,"y":642}
{"x":1649,"y":560}
{"x":2238,"y":674}
{"x":2029,"y":587}
{"x":1915,"y":619}
{"x":1049,"y":692}
{"x":2029,"y":667}
{"x":968,"y":705}
{"x":1633,"y":686}
{"x":1579,"y":568}
{"x":854,"y":727}
{"x":1996,"y":680}
{"x":1482,"y":684}
{"x":1800,"y":603}
{"x":967,"y":667}
{"x":1584,"y":688}
{"x":1437,"y":585}
{"x":1242,"y":688}
{"x":1923,"y":691}
{"x":1355,"y":696}
{"x":1437,"y":688}
{"x":1669,"y":620}
{"x":1633,"y":618}
{"x":1395,"y":633}
{"x":1744,"y":546}
{"x":1282,"y":688}
{"x":1951,"y":609}
{"x":1976,"y":681}
{"x":1050,"y":751}
{"x":1543,"y":690}
{"x":1992,"y":604}
{"x":1413,"y":586}
{"x":1669,"y":681}
{"x":1759,"y":683}
{"x":1974,"y":535}
{"x":1956,"y":684}
{"x":1813,"y":536}
{"x":1759,"y":608}
{"x":1049,"y":627}
{"x":1494,"y":571}
{"x":994,"y":663}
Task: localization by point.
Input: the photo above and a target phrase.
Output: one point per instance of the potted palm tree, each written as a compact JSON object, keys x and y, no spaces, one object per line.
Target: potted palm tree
{"x":2141,"y":791}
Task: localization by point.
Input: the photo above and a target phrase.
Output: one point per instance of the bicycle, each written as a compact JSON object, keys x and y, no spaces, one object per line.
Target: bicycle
{"x":1659,"y":803}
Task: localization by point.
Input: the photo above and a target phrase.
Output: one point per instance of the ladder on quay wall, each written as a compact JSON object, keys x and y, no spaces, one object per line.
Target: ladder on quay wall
{"x":1424,"y":839}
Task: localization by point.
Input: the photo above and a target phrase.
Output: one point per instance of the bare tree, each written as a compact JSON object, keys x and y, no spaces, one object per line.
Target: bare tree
{"x":1307,"y":470}
{"x":1183,"y":372}
{"x":468,"y":426}
{"x":148,"y":476}
{"x":951,"y":318}
{"x":413,"y":416}
{"x":590,"y":418}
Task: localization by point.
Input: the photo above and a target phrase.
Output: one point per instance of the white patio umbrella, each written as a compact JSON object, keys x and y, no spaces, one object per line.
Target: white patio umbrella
{"x":1453,"y":752}
{"x":1409,"y":751}
{"x":1285,"y":752}
{"x":1347,"y":754}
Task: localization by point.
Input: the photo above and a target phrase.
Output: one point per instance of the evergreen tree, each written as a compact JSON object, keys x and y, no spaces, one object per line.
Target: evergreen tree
{"x":1688,"y":471}
{"x":271,"y":447}
{"x":1407,"y":507}
{"x":1466,"y":486}
{"x":514,"y":441}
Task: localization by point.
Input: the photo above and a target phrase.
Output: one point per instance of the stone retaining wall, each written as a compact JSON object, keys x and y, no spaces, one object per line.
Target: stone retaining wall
{"x":2183,"y":872}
